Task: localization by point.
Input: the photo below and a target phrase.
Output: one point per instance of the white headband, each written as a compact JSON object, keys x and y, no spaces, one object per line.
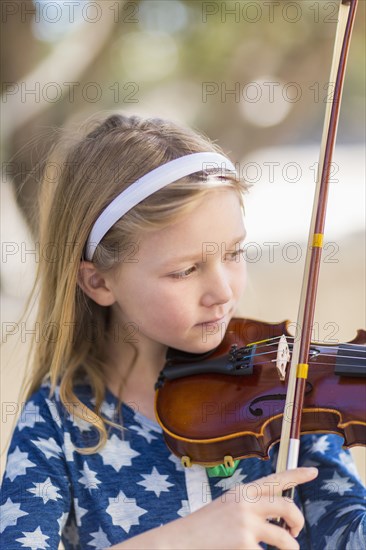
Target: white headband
{"x":149,"y":184}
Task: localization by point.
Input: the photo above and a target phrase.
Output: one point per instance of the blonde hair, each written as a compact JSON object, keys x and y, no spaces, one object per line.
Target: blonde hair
{"x":91,"y":171}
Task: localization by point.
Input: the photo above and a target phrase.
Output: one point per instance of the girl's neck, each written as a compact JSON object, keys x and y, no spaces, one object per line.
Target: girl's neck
{"x":131,"y":375}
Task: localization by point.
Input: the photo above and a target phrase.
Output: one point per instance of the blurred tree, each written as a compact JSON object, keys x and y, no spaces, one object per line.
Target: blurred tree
{"x":31,"y":106}
{"x":211,"y":57}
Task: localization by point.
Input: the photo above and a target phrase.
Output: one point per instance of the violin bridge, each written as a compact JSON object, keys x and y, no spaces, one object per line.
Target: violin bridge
{"x":283,"y":357}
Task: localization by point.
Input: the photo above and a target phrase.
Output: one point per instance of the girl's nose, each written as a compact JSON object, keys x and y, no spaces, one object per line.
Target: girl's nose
{"x":217,"y":289}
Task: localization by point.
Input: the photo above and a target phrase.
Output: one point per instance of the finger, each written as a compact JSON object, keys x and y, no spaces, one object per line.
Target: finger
{"x":278,"y":537}
{"x":250,"y":545}
{"x":287,"y":479}
{"x":274,"y":484}
{"x":282,"y":508}
{"x":292,"y":516}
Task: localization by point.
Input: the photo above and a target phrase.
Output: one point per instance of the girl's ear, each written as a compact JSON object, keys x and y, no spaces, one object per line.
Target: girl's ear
{"x":94,"y":284}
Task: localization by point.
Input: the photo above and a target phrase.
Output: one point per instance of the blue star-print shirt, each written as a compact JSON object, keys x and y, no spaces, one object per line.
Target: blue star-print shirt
{"x":50,"y":492}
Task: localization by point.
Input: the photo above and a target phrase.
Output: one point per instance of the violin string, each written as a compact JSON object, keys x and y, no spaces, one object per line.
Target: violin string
{"x":266,"y":362}
{"x":310,"y":358}
{"x":270,"y":342}
{"x":344,"y":348}
{"x":317,"y":355}
{"x":290,"y":339}
{"x":341,"y":356}
{"x":318,"y":363}
{"x":362,"y":353}
{"x":334,"y":346}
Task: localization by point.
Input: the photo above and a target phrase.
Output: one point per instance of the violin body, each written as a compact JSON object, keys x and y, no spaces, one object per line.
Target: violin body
{"x":211,"y":418}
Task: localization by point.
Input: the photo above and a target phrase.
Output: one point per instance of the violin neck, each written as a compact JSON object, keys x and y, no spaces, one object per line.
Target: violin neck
{"x":351,"y":361}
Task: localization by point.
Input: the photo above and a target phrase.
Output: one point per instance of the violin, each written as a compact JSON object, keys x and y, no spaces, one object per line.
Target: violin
{"x":229,"y":403}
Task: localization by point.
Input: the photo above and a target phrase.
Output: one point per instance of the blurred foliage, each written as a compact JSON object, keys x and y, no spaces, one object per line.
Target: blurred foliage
{"x":162,"y":55}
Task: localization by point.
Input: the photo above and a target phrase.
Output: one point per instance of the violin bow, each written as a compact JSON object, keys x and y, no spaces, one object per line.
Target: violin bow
{"x":290,"y":435}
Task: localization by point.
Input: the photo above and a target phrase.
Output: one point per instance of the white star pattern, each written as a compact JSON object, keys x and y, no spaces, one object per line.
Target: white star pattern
{"x":62,"y":521}
{"x":10,"y":512}
{"x":89,"y":478}
{"x":17,"y":464}
{"x":350,"y":508}
{"x":333,"y":541}
{"x":82,"y":424}
{"x":107,"y":409}
{"x":178,"y":464}
{"x":117,"y":453}
{"x":68,"y":447}
{"x":356,"y":539}
{"x":79,"y":512}
{"x":321,"y":445}
{"x":337,"y":484}
{"x":29,"y":416}
{"x":155,"y":482}
{"x":149,"y":424}
{"x":54,"y":412}
{"x":315,"y":510}
{"x":46,"y":491}
{"x":35,"y":540}
{"x":184,"y":510}
{"x":48,"y":447}
{"x":348,"y":463}
{"x":144,"y":433}
{"x":100,"y":539}
{"x":110,"y":411}
{"x":227,"y":483}
{"x":124,"y":511}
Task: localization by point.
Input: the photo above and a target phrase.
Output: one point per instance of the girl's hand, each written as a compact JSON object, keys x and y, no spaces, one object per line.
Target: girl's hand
{"x":238,"y":519}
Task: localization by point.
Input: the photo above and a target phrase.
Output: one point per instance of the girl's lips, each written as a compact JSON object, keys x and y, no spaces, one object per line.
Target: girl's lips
{"x":214,"y":320}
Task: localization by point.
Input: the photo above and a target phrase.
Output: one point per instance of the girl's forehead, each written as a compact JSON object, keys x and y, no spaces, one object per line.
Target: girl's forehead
{"x":218,"y":217}
{"x":219,"y":208}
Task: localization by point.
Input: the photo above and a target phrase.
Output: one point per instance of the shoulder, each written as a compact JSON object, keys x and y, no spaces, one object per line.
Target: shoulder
{"x":44,"y":412}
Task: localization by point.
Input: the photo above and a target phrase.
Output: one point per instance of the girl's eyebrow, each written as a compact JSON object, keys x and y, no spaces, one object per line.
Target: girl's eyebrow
{"x":199,"y":256}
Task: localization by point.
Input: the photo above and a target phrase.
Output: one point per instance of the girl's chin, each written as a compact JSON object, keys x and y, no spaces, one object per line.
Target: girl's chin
{"x":202,"y":338}
{"x":207,"y":340}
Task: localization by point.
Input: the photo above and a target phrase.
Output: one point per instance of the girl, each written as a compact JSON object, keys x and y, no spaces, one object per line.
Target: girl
{"x":124,"y":275}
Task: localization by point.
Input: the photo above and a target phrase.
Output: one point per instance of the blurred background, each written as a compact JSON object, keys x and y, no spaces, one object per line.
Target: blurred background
{"x":251,"y":75}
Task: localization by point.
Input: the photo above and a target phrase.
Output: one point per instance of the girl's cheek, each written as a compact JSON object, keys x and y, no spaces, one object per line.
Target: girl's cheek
{"x":241,"y":272}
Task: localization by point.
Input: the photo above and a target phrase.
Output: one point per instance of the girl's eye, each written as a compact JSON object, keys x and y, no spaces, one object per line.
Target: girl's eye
{"x":183,"y":274}
{"x":237,"y":253}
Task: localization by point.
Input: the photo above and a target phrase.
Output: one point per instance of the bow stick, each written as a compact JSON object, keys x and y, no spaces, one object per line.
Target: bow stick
{"x":290,"y":435}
